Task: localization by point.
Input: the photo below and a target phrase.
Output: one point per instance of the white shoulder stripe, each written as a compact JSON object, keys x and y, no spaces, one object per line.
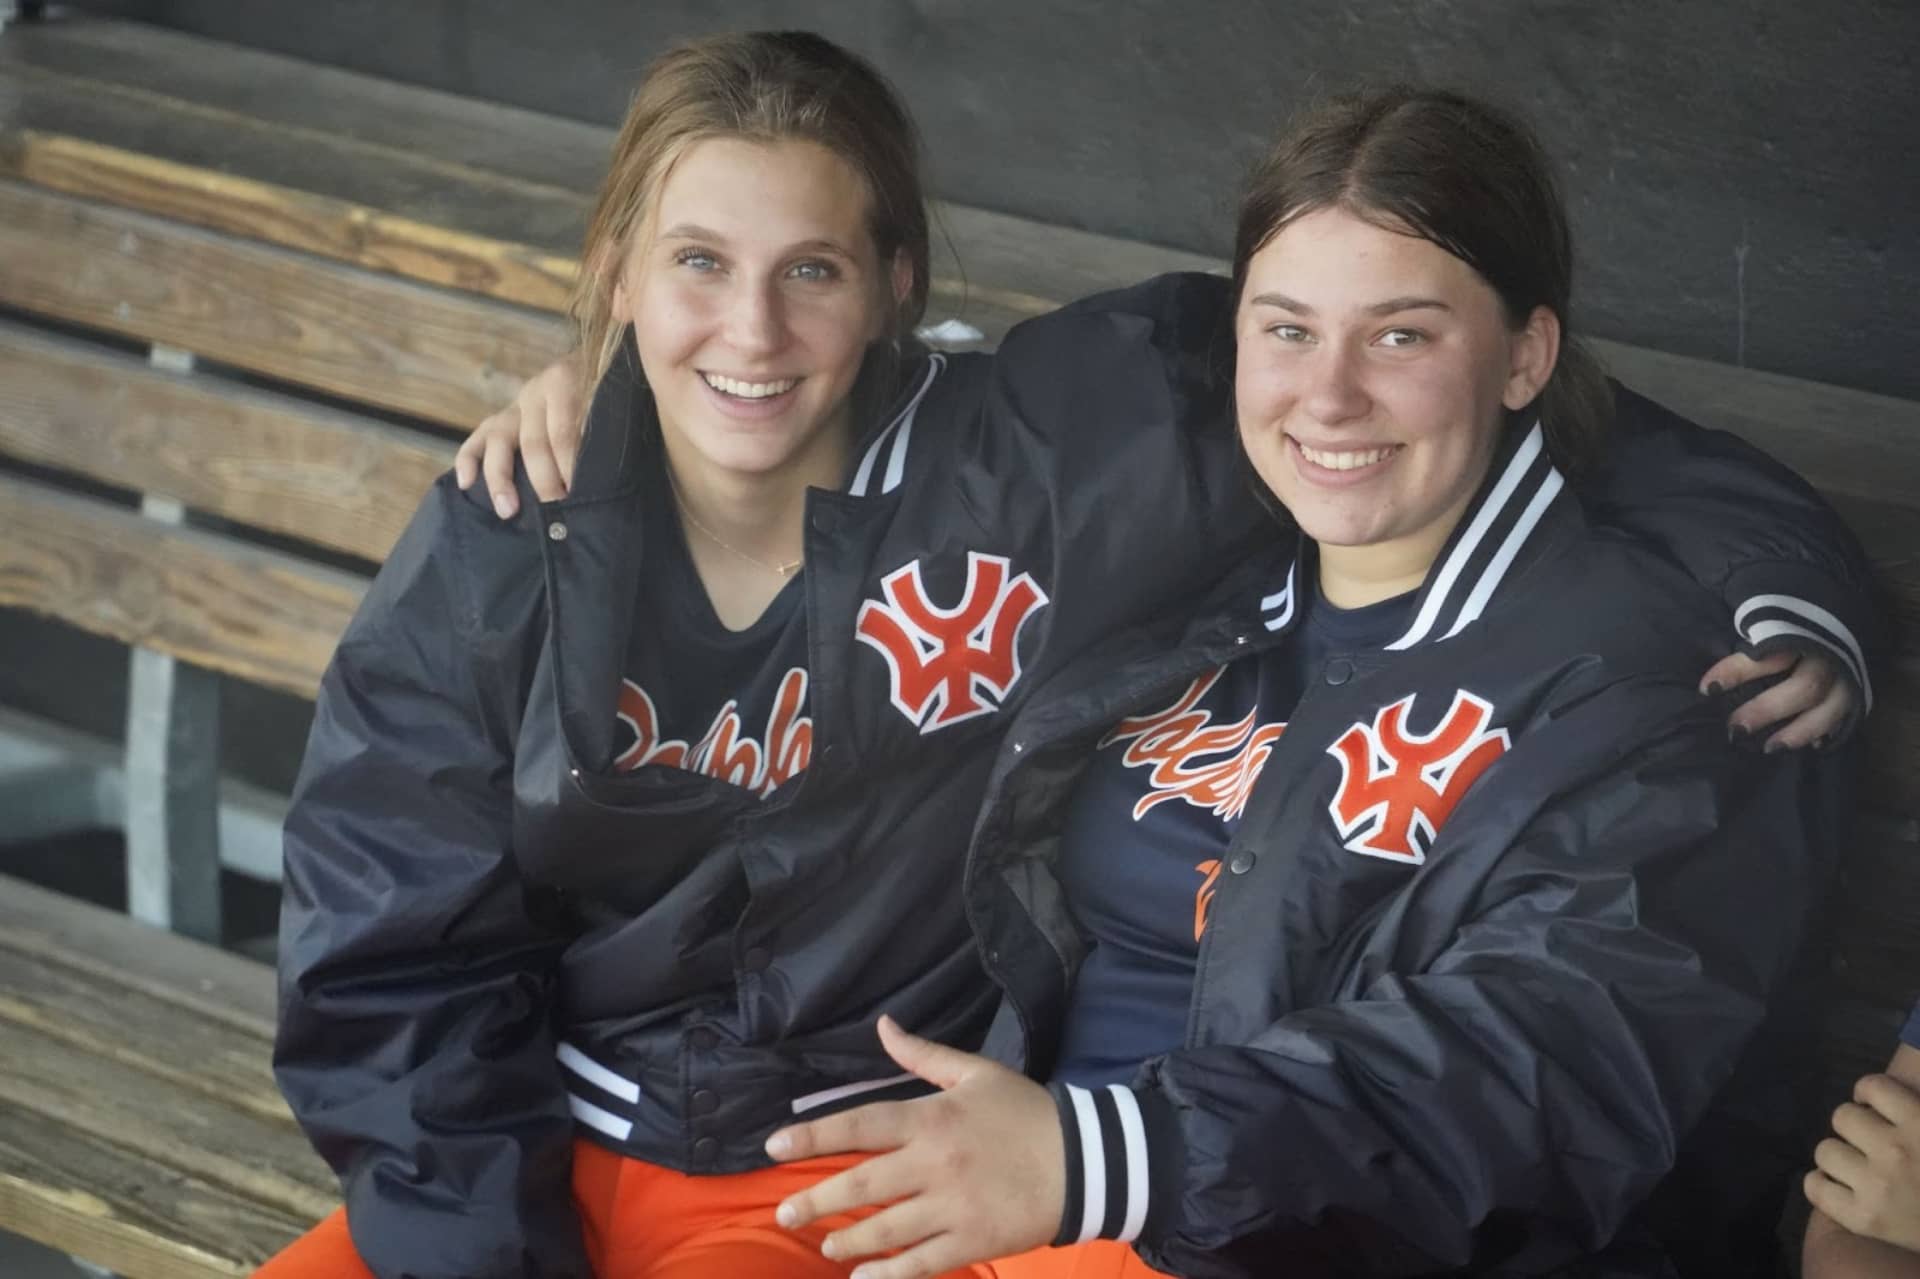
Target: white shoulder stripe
{"x":1516,"y":538}
{"x":1464,"y":550}
{"x":1281,"y":600}
{"x":895,"y":436}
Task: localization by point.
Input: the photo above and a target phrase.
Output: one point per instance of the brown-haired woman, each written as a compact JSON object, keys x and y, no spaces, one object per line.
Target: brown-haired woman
{"x":1399,"y":909}
{"x":618,"y":829}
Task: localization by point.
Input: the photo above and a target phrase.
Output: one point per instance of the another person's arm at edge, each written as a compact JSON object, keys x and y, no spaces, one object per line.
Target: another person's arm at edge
{"x":1831,"y":1251}
{"x":1755,"y":534}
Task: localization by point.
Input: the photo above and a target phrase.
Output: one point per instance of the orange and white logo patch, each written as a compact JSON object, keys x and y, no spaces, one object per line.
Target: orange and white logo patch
{"x":1397,"y":789}
{"x":948,"y":665}
{"x":1211,"y":766}
{"x":724,"y":751}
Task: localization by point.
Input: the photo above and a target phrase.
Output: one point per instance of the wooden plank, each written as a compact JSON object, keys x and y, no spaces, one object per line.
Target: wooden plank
{"x":400,"y":345}
{"x":269,"y":461}
{"x":196,"y":980}
{"x":1849,"y":444}
{"x":142,"y":1037}
{"x":423,"y":159}
{"x":346,"y":232}
{"x":261,"y":615}
{"x":162,"y":1123}
{"x":65,"y":1187}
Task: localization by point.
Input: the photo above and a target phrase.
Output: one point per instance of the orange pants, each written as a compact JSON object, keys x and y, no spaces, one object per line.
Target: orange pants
{"x":646,"y":1222}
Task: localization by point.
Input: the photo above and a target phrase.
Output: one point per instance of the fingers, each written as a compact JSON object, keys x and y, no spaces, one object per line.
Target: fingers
{"x":1830,"y":1197}
{"x":1890,"y":1099}
{"x":936,"y":1256}
{"x":466,"y":461}
{"x":1863,"y":1128}
{"x":1840,"y":1161}
{"x":550,"y":430}
{"x":936,"y":1063}
{"x":872,"y":1181}
{"x":1802,"y":690}
{"x":881,"y":1126}
{"x":543,"y":472}
{"x":496,"y":465}
{"x":1736,"y":669}
{"x":1816,"y":727}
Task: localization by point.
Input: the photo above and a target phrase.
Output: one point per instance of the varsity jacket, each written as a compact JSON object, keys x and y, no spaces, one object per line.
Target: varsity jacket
{"x":492,"y":940}
{"x":1502,"y":913}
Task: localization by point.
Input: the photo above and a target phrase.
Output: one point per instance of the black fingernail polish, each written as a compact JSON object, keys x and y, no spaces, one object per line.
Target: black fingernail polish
{"x":1714,"y":689}
{"x":1738,"y":732}
{"x":1820,"y":742}
{"x":1772,"y":747}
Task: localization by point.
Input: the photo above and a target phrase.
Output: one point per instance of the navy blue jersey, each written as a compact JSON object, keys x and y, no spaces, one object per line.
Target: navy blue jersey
{"x":1911,"y":1035}
{"x":1149,"y":826}
{"x":696,"y":696}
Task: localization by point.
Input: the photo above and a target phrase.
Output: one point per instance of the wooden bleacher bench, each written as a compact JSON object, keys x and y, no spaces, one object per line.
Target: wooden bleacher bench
{"x":246,"y":305}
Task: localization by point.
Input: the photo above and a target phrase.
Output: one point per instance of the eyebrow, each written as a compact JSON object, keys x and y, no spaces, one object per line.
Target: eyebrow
{"x":692,"y":231}
{"x":1389,"y":307}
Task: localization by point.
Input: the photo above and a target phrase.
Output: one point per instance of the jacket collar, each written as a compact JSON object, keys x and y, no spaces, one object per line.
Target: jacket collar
{"x":593,"y":538}
{"x":1521,"y":507}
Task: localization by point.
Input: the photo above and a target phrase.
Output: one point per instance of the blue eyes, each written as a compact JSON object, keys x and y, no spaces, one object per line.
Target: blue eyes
{"x":810,"y":271}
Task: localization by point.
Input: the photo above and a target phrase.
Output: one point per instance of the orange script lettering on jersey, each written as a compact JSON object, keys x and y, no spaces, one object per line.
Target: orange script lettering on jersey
{"x":724,"y":751}
{"x":1208,"y":766}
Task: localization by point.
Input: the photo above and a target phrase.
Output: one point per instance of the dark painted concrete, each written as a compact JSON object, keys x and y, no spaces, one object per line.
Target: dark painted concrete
{"x":1743,"y":171}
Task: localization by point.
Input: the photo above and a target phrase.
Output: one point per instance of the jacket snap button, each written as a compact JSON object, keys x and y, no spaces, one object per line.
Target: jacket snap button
{"x":825,"y":522}
{"x":705,"y":1101}
{"x":706,"y":1150}
{"x":702,"y":1040}
{"x":1242,"y":862}
{"x":557,"y":531}
{"x":756,"y":960}
{"x":1339,"y":671}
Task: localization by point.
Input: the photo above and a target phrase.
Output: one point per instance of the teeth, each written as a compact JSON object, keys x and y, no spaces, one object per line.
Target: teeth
{"x":750,"y":390}
{"x":1346,"y":461}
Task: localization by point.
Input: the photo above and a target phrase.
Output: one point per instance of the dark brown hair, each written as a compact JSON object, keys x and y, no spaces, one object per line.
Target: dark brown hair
{"x":1466,"y":176}
{"x":763,"y":86}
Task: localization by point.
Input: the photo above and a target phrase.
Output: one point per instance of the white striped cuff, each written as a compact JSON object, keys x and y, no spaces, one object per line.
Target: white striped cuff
{"x":1765,"y":617}
{"x":1106,"y":1147}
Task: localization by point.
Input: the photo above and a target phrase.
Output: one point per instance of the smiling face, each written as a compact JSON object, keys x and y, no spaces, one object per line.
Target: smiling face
{"x":1372,"y":372}
{"x":755,"y":288}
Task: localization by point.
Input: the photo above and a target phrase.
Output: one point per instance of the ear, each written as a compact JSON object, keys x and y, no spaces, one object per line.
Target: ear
{"x":1533,"y":351}
{"x":902,"y":277}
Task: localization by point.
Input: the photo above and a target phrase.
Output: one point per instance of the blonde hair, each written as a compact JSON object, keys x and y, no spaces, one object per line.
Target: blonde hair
{"x":766,"y":86}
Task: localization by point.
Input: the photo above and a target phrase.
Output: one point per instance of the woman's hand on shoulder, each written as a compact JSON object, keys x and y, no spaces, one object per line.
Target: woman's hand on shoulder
{"x":543,"y":425}
{"x":974,"y":1172}
{"x":1803,"y":709}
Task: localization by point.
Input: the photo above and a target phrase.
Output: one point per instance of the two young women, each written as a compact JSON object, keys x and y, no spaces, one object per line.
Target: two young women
{"x":618,"y":831}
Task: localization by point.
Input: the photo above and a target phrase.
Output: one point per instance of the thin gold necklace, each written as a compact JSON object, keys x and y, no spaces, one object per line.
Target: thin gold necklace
{"x":782,"y":571}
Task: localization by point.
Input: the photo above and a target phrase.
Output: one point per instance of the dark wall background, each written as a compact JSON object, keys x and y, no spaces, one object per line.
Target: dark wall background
{"x":1745,"y":174}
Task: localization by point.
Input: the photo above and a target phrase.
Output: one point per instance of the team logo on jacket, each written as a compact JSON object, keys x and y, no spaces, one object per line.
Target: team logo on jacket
{"x":948,"y":665}
{"x":725,"y":750}
{"x":1189,"y":757}
{"x":1398,"y":788}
